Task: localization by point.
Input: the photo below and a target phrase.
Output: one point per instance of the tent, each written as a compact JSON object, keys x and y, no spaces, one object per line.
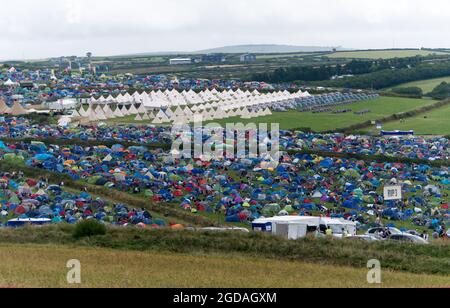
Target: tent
{"x":4,"y":109}
{"x":17,"y":109}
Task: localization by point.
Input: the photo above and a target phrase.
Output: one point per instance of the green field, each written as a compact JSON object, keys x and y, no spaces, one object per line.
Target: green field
{"x":45,"y":266}
{"x":380,"y":108}
{"x":287,"y":55}
{"x":435,"y":122}
{"x":426,"y":85}
{"x":383,"y":54}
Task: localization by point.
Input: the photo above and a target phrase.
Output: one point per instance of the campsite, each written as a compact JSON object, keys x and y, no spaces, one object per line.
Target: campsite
{"x":318,"y":158}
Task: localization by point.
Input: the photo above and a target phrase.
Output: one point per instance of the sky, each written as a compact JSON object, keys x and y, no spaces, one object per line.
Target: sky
{"x":31,"y":29}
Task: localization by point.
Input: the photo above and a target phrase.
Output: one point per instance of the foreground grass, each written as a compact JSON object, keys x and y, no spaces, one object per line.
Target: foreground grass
{"x":112,"y":268}
{"x":430,"y":260}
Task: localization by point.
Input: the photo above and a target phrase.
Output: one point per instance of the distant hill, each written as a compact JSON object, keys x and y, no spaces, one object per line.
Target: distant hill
{"x":258,"y":49}
{"x":268,"y":48}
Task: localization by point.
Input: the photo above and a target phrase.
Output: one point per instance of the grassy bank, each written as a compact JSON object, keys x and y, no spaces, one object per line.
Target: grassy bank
{"x":432,"y":259}
{"x":113,"y":268}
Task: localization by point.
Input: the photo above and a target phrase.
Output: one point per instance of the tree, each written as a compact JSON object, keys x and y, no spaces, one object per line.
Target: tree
{"x":413,"y":92}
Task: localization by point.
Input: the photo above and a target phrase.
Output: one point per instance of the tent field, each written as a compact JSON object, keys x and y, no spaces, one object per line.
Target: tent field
{"x":150,"y":269}
{"x":382,"y":107}
{"x":383,"y":54}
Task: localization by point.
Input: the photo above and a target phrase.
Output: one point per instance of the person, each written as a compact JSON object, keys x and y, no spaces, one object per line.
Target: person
{"x":425,"y":236}
{"x":344,"y":232}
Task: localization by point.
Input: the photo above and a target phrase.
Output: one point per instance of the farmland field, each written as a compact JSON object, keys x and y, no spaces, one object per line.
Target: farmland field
{"x":287,"y":55}
{"x":383,"y":54}
{"x":118,"y":268}
{"x":426,"y":85}
{"x":380,"y":108}
{"x":435,"y":122}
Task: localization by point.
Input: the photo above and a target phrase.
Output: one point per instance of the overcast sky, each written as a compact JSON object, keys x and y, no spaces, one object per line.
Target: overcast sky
{"x":43,"y":28}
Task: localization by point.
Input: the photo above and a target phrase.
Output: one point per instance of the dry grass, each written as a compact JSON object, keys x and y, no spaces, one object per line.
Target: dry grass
{"x":45,"y":266}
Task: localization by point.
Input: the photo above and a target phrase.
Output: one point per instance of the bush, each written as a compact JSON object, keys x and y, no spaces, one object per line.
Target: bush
{"x":412,"y":92}
{"x":442,"y":91}
{"x":88,"y":228}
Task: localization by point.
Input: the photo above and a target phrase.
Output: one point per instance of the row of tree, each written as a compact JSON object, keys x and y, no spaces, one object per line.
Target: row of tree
{"x":412,"y":92}
{"x":441,"y":92}
{"x":326,"y":72}
{"x":392,"y":77}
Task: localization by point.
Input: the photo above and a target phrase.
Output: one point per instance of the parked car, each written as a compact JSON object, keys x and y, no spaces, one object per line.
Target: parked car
{"x":379,"y":230}
{"x":242,"y":230}
{"x":413,"y":232}
{"x":407,"y":238}
{"x":366,"y":238}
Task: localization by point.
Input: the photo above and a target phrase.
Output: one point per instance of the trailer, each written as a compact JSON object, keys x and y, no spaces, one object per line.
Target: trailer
{"x":296,"y":227}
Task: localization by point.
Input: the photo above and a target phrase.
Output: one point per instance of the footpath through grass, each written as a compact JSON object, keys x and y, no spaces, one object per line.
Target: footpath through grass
{"x":114,"y":268}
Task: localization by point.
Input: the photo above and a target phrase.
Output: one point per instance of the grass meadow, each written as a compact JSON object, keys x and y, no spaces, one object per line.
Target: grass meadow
{"x":327,"y":121}
{"x":383,"y":54}
{"x":116,"y":268}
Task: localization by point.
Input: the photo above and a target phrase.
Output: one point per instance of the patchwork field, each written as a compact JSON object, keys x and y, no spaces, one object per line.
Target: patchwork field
{"x":384,"y":54}
{"x":117,"y":268}
{"x":380,"y":108}
{"x":426,"y":85}
{"x":435,"y":122}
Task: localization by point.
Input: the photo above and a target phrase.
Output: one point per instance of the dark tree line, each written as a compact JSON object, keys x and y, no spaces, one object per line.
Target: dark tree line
{"x":441,"y":92}
{"x":392,"y":77}
{"x":413,"y":92}
{"x":326,"y":72}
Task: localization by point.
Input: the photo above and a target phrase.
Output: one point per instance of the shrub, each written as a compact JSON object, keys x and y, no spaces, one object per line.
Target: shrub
{"x":413,"y":92}
{"x":88,"y":228}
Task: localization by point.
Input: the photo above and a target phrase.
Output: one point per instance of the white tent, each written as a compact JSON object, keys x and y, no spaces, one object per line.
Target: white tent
{"x":92,"y":116}
{"x":100,"y":114}
{"x":75,"y":114}
{"x":124,"y":111}
{"x":118,"y":113}
{"x":108,"y":112}
{"x":133,"y":110}
{"x":142,"y":109}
